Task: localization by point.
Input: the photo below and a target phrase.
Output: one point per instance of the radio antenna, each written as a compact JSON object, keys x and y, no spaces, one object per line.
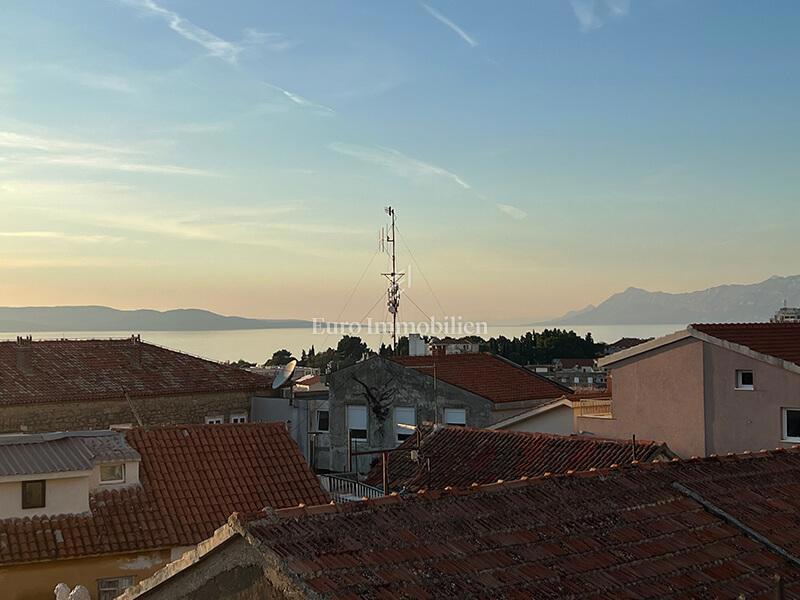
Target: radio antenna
{"x":393,"y":295}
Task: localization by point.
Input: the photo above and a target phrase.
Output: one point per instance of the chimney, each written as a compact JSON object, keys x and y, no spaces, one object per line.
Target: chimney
{"x":136,"y":352}
{"x":25,"y":354}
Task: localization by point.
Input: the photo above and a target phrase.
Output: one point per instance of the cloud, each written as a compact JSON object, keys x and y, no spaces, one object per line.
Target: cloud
{"x":216,"y":46}
{"x":397,"y":162}
{"x":299,"y":100}
{"x":593,"y":14}
{"x":452,"y":26}
{"x":277,"y":42}
{"x":512,"y":211}
{"x":61,"y":236}
{"x":90,"y":79}
{"x":38,"y":150}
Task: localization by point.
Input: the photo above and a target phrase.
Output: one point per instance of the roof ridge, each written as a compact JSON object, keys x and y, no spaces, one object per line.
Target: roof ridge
{"x":501,"y":485}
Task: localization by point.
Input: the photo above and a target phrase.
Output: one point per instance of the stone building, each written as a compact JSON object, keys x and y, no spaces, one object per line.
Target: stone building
{"x":58,"y":385}
{"x":375,"y":404}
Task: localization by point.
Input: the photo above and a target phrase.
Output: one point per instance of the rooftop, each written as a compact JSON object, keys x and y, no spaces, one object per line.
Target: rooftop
{"x":192,"y":478}
{"x":708,"y":528}
{"x":487,"y":375}
{"x":781,"y":340}
{"x":74,"y":370}
{"x":460,"y":456}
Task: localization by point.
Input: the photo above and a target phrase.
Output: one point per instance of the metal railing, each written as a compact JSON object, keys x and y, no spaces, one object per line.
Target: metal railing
{"x":346,"y":488}
{"x":595,"y":408}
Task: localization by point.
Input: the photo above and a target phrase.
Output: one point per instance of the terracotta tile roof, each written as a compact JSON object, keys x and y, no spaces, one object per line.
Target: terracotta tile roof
{"x":487,"y":375}
{"x":65,"y":370}
{"x":617,"y":533}
{"x":460,"y":456}
{"x":781,"y":340}
{"x":192,"y":478}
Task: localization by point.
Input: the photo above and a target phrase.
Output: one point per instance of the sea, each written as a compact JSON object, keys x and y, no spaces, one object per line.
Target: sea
{"x":257,"y":345}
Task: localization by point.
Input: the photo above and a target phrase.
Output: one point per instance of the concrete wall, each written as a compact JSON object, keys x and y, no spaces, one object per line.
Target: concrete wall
{"x":63,"y":495}
{"x":36,"y":581}
{"x":739,"y":420}
{"x":160,"y":410}
{"x":658,"y":396}
{"x":409,"y":388}
{"x":557,"y":420}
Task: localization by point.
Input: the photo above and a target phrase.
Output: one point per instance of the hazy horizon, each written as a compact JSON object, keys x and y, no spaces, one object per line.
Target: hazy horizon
{"x":165,"y":153}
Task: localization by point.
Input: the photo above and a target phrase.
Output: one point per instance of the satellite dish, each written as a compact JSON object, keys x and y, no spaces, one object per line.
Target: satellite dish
{"x":284,"y":375}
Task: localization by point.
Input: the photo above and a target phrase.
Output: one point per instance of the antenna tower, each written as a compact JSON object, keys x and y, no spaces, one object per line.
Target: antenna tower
{"x":393,"y":295}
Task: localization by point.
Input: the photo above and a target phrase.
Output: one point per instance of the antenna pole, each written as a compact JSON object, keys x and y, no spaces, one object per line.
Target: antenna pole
{"x":393,"y":295}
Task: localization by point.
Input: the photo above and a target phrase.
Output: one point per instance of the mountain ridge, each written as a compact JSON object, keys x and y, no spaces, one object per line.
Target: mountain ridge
{"x":26,"y":319}
{"x":723,"y":303}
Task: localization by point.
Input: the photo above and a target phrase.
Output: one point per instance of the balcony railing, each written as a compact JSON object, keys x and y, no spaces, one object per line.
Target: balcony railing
{"x":595,"y":408}
{"x":345,"y":488}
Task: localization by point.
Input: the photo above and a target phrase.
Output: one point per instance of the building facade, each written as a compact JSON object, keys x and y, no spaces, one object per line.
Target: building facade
{"x":376,"y":404}
{"x":710,"y":389}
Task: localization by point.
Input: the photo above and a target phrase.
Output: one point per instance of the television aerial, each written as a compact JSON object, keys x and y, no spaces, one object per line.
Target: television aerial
{"x":284,"y":375}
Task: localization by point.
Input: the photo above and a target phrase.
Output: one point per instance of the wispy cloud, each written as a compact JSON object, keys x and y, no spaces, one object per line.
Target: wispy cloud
{"x":300,"y":100}
{"x":54,"y":151}
{"x":60,"y":236}
{"x":215,"y":45}
{"x":593,"y":14}
{"x":512,"y":211}
{"x":397,"y":162}
{"x":91,"y":79}
{"x":450,"y":25}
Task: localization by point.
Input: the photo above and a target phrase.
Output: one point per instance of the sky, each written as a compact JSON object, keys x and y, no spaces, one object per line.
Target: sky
{"x":541,"y":155}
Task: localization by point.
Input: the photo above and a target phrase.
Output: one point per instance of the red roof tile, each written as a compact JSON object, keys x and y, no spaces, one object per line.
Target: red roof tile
{"x":487,"y":375}
{"x":460,"y":456}
{"x":781,"y":340}
{"x":192,"y":478}
{"x":66,"y":370}
{"x":620,"y":533}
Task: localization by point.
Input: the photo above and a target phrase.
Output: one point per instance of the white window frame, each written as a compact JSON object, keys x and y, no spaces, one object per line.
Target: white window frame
{"x":784,"y":425}
{"x":215,"y":419}
{"x":114,"y":585}
{"x":239,"y":417}
{"x":451,"y":411}
{"x":112,"y":481}
{"x":353,"y":409}
{"x":409,"y":413}
{"x":323,"y":410}
{"x":739,"y":384}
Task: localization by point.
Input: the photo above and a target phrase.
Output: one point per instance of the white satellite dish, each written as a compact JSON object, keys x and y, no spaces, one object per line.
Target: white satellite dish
{"x":284,"y":375}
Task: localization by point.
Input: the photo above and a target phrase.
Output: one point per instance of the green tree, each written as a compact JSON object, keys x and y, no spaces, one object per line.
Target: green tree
{"x":279,"y":358}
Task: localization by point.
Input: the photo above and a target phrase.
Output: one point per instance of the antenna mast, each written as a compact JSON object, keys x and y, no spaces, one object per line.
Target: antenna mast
{"x":393,"y":295}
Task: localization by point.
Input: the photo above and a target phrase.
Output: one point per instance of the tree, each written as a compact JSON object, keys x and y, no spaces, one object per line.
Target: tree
{"x":280,"y":358}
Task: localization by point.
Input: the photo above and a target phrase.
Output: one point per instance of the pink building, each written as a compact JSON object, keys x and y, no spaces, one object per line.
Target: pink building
{"x":708,"y":389}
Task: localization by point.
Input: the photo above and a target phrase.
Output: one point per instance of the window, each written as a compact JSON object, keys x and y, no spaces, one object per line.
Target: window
{"x":791,"y":424}
{"x":357,"y":423}
{"x":215,"y":420}
{"x":323,"y":420}
{"x":455,"y":416}
{"x":239,"y":417}
{"x":576,"y":379}
{"x":744,"y":380}
{"x":112,"y":473}
{"x":404,"y":415}
{"x":590,"y":380}
{"x":33,"y":494}
{"x":111,"y":588}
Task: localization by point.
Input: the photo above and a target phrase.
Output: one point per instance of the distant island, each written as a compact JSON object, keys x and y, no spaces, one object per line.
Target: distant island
{"x":723,"y":303}
{"x":102,"y":318}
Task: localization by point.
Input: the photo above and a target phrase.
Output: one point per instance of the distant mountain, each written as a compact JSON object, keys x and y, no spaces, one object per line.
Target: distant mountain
{"x":103,"y":318}
{"x":724,"y":303}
